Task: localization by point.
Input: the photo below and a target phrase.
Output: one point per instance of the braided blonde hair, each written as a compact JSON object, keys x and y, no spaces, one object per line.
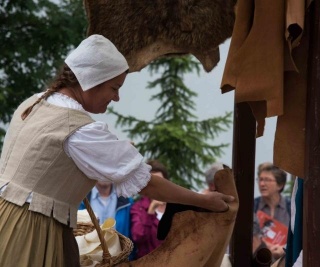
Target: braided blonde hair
{"x":65,"y":78}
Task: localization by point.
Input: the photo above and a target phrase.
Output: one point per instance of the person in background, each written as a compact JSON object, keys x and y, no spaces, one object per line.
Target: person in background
{"x":271,"y":181}
{"x":106,"y":204}
{"x":257,"y":242}
{"x":145,"y":216}
{"x":264,"y":165}
{"x":54,"y":153}
{"x":209,"y":175}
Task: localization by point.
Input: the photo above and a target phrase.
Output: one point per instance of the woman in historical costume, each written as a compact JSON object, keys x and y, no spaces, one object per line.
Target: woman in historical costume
{"x":54,"y":153}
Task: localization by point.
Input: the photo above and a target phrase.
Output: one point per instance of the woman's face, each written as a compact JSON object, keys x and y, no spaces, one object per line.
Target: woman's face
{"x":97,"y":99}
{"x":268,"y":184}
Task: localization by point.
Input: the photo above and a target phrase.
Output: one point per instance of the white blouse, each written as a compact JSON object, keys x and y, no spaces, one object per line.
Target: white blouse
{"x":101,"y":156}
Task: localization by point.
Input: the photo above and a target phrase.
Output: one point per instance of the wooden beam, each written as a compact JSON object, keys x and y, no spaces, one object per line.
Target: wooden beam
{"x":244,"y":146}
{"x":311,"y":194}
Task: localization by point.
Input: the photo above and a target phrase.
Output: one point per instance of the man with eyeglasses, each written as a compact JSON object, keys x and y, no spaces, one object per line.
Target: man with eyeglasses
{"x":271,"y":181}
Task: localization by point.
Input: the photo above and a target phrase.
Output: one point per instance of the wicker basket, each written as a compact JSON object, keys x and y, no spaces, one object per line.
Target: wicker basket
{"x":83,"y":228}
{"x":107,"y":259}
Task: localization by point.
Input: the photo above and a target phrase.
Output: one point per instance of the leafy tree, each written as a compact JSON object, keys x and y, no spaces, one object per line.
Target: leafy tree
{"x":174,"y":136}
{"x":35,"y":37}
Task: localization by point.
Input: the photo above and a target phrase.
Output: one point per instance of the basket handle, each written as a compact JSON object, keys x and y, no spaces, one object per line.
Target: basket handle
{"x":106,"y":256}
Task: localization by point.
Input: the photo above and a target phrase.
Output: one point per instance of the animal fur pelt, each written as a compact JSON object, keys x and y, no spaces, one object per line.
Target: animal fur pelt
{"x":196,"y":238}
{"x":166,"y":220}
{"x":144,"y":30}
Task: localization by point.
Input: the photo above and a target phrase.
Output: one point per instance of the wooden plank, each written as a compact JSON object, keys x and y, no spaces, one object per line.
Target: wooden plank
{"x":311,"y":199}
{"x":244,"y":145}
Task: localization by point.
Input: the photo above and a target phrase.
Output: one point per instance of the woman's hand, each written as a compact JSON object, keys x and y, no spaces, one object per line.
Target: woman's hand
{"x":154,"y":205}
{"x":217,"y":201}
{"x":166,"y":191}
{"x":277,"y":251}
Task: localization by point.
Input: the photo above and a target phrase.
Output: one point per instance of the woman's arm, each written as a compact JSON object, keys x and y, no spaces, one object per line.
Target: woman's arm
{"x":164,"y":190}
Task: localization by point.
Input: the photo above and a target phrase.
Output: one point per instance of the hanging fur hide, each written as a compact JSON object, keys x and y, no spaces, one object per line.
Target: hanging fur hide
{"x":144,"y":30}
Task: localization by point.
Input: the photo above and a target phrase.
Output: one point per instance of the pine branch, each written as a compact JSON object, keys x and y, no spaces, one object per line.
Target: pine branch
{"x":175,"y":137}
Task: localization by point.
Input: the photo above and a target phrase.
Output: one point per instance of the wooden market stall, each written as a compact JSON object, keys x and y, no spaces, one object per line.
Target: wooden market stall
{"x":311,"y":200}
{"x":244,"y":158}
{"x":146,"y":30}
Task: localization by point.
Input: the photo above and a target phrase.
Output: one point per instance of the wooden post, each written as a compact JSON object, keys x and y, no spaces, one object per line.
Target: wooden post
{"x":311,"y":193}
{"x":244,"y":146}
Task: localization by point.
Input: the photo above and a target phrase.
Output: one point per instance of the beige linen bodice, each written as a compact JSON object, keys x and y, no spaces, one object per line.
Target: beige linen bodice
{"x":33,"y":161}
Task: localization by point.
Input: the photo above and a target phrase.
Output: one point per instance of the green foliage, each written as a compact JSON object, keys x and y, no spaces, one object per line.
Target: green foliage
{"x":35,"y":37}
{"x":174,"y":136}
{"x":289,"y":186}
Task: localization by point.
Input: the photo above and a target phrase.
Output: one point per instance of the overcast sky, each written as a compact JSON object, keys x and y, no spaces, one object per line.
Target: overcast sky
{"x":134,"y":100}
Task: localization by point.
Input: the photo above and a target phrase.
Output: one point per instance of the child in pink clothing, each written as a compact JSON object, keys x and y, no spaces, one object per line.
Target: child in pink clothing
{"x":145,"y":216}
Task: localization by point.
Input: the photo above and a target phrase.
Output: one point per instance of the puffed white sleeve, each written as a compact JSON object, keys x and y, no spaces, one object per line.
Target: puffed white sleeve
{"x":101,"y":156}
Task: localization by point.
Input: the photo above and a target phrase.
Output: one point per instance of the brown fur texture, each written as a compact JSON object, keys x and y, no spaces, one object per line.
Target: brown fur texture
{"x":155,"y":28}
{"x":196,"y":239}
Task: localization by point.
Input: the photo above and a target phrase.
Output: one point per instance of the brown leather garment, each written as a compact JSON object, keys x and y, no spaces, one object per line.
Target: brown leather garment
{"x":266,"y":66}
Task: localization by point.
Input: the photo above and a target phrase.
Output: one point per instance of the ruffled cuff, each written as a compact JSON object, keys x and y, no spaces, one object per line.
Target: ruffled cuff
{"x":135,"y":183}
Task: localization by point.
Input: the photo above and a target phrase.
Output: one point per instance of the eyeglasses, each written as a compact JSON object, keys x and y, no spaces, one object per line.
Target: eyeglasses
{"x":266,"y":180}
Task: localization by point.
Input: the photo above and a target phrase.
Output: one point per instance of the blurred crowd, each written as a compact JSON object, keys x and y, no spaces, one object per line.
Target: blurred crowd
{"x":138,"y":217}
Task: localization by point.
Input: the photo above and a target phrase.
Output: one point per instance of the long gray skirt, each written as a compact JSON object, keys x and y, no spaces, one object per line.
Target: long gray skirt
{"x":30,"y":239}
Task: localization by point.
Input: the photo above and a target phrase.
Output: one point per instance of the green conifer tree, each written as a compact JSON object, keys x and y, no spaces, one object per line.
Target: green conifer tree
{"x":175,"y":136}
{"x":35,"y":35}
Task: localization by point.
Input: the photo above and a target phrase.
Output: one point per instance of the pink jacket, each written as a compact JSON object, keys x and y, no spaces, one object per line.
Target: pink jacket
{"x":144,"y":227}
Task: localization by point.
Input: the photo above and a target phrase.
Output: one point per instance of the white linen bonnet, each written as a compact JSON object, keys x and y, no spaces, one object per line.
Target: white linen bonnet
{"x":95,"y":61}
